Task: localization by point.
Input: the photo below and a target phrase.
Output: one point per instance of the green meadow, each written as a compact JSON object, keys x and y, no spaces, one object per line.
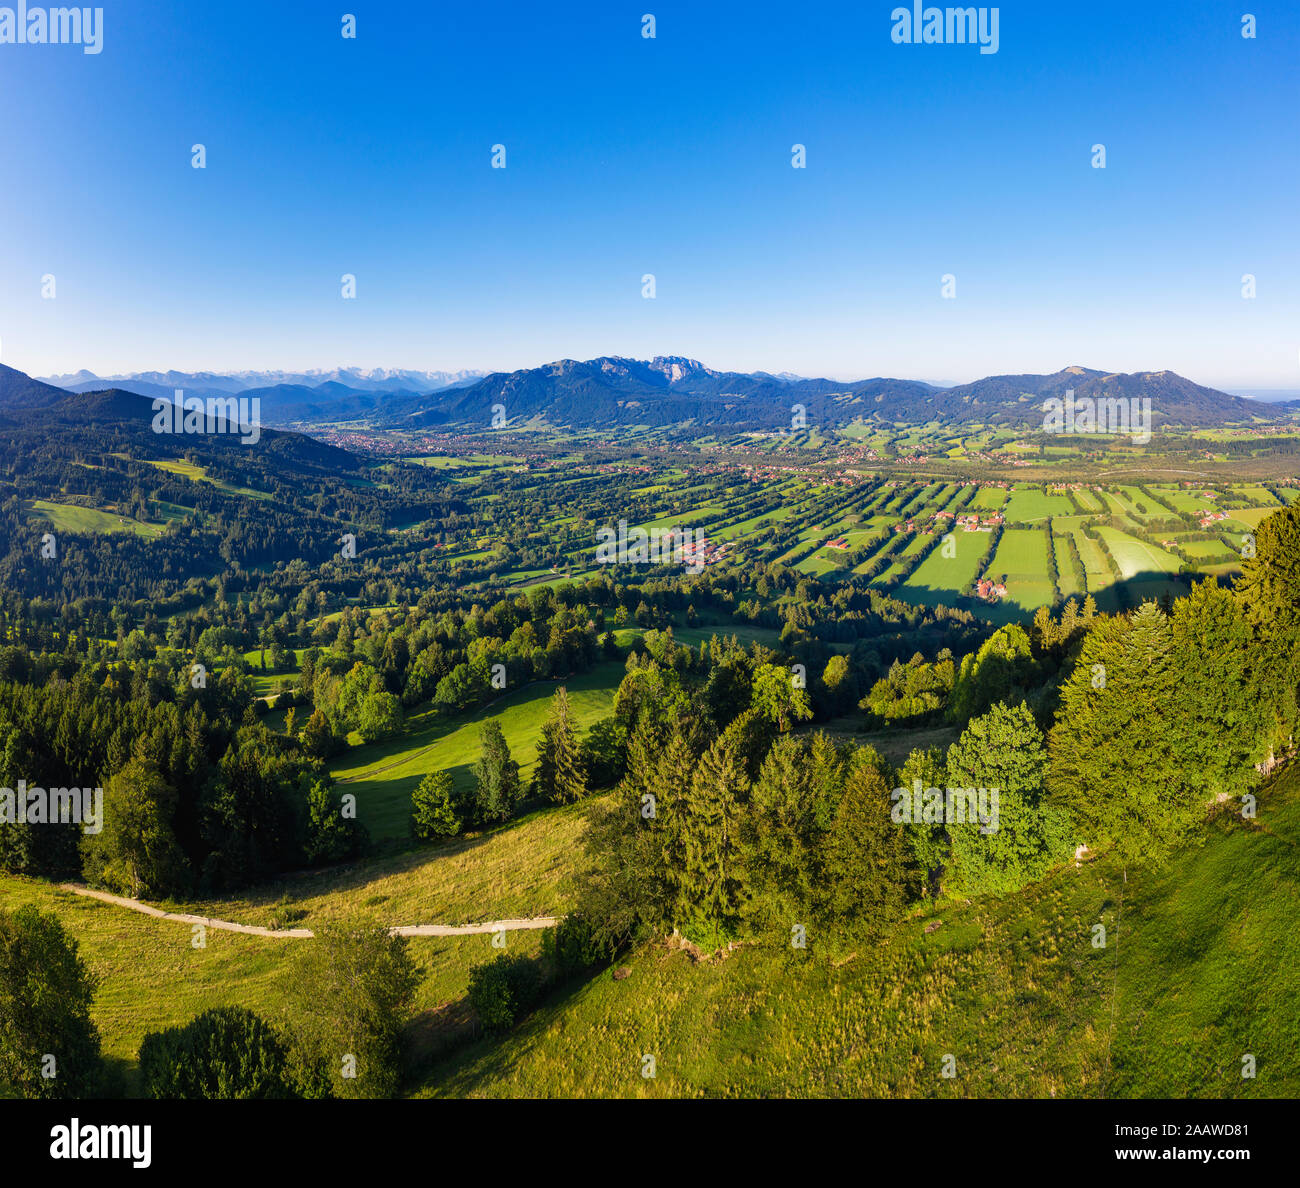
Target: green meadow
{"x":199,"y":474}
{"x":939,"y":579}
{"x":1022,"y":557}
{"x":67,"y":517}
{"x":1027,"y":505}
{"x":383,"y":775}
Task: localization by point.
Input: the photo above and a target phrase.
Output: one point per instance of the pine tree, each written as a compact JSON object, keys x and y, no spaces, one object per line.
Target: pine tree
{"x":867,"y":866}
{"x":792,"y":804}
{"x":1269,"y":589}
{"x":636,"y":888}
{"x":559,"y":775}
{"x":1224,"y":718}
{"x":1114,"y":747}
{"x":712,"y":875}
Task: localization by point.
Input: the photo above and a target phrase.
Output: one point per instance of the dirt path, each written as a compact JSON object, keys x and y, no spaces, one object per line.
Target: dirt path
{"x":303,"y":933}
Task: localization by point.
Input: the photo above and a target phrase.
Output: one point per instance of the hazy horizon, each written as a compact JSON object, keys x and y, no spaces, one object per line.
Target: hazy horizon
{"x":1261,"y":392}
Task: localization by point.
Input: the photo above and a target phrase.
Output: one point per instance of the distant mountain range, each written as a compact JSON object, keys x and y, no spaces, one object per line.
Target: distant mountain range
{"x":672,"y":391}
{"x":287,"y":396}
{"x":668,"y":392}
{"x":375,"y":379}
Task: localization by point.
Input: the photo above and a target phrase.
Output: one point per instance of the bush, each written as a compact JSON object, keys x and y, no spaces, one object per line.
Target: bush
{"x":572,"y":947}
{"x":222,"y":1054}
{"x":502,"y":990}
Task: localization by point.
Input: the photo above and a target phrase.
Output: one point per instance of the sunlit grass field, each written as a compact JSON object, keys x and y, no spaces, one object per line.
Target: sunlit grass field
{"x":67,"y":517}
{"x":383,"y":775}
{"x":522,"y":868}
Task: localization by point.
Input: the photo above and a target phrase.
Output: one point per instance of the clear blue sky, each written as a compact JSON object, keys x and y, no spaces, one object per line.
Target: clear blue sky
{"x":626,"y":156}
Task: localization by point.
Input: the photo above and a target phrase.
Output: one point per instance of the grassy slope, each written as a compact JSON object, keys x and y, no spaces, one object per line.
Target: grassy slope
{"x":67,"y":517}
{"x":522,"y":868}
{"x":151,"y":976}
{"x":1207,"y":971}
{"x":383,"y":775}
{"x":1203,"y":967}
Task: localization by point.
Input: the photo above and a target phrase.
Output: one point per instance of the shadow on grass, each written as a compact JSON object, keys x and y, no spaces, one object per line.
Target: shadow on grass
{"x":443,"y":1042}
{"x":1119,"y":595}
{"x":376,"y":865}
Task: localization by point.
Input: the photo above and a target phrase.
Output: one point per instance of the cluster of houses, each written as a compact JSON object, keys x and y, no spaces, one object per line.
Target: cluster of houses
{"x":990,"y":590}
{"x":977,"y":523}
{"x":1210,"y":517}
{"x":701,"y":552}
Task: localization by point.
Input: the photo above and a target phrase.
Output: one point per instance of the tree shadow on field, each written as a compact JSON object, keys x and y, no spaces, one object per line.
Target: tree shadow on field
{"x":1119,"y":595}
{"x":359,"y":873}
{"x":448,"y":1049}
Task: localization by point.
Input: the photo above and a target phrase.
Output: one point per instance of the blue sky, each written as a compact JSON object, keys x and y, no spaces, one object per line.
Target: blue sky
{"x":670,"y":156}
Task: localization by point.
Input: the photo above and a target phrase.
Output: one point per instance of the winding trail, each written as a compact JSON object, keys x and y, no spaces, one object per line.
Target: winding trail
{"x":305,"y":933}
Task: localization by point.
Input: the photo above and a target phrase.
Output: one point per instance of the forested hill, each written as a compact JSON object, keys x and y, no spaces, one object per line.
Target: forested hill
{"x":139,"y":514}
{"x":18,"y":390}
{"x":33,"y":409}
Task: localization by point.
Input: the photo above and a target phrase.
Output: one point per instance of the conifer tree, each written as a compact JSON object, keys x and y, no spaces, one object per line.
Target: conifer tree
{"x":1223,"y":717}
{"x":867,"y":866}
{"x":1114,"y":746}
{"x":1269,"y":589}
{"x":559,"y":775}
{"x":637,"y":890}
{"x":498,"y":790}
{"x":713,"y":881}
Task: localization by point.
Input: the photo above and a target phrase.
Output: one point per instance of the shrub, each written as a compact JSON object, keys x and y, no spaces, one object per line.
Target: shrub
{"x":572,"y":946}
{"x":222,"y":1054}
{"x":501,"y":991}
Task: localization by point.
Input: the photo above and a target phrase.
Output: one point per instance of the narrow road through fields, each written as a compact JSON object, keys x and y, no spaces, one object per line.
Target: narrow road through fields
{"x":305,"y":933}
